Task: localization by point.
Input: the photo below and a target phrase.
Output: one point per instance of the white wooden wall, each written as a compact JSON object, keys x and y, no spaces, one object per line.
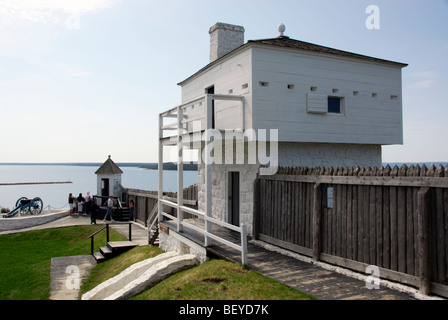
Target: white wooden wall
{"x":372,"y":110}
{"x":277,"y":83}
{"x":231,"y":76}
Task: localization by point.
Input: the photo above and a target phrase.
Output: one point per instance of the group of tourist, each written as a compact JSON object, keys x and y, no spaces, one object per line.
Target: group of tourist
{"x":84,"y":205}
{"x":87,"y":206}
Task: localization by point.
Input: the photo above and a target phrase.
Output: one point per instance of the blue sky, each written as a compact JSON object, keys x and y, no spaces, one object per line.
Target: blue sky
{"x":80,"y":80}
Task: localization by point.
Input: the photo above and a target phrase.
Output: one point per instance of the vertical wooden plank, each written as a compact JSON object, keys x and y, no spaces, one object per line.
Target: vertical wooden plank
{"x":355,"y":191}
{"x":343,"y":207}
{"x":277,"y":194}
{"x":337,"y":214}
{"x":349,"y":213}
{"x":440,"y":222}
{"x":386,"y":221}
{"x":317,"y":211}
{"x":323,"y":221}
{"x":256,"y":208}
{"x":379,"y":225}
{"x":423,"y":237}
{"x":410,"y":239}
{"x":361,"y":223}
{"x":372,"y":225}
{"x":296,"y":212}
{"x":269,"y":205}
{"x":300,"y":213}
{"x":288,"y":212}
{"x":393,"y":224}
{"x":307,"y":215}
{"x":401,"y":219}
{"x":366,"y":224}
{"x":291,"y":212}
{"x":445,"y":214}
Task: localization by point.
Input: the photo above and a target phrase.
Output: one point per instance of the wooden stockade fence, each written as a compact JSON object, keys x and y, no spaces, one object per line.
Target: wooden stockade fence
{"x":392,"y":218}
{"x":144,"y":201}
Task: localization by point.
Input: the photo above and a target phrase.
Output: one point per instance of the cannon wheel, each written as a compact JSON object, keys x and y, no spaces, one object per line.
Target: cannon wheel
{"x":20,"y":200}
{"x":36,"y":206}
{"x":24,"y":210}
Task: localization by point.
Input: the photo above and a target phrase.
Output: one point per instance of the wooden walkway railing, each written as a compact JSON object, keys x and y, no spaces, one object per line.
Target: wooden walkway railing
{"x":392,"y":218}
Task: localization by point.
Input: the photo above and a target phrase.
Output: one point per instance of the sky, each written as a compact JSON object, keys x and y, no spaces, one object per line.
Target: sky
{"x":84,"y":79}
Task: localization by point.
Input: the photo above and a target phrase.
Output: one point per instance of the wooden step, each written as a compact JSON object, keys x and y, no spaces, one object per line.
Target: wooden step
{"x":106,"y":251}
{"x":117,"y":245}
{"x":112,"y":249}
{"x":99,"y":257}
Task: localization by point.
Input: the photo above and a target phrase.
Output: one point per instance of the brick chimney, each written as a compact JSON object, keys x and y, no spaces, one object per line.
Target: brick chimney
{"x":224,"y":38}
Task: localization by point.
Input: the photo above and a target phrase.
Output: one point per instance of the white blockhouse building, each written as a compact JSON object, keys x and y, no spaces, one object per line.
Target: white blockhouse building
{"x":323,"y":106}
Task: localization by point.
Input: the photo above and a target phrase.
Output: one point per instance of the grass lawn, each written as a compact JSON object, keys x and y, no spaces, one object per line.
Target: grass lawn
{"x":25,"y":258}
{"x":25,"y":270}
{"x":220,"y":280}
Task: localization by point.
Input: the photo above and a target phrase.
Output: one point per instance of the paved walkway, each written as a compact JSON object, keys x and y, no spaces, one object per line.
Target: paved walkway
{"x":321,"y":281}
{"x":67,"y":274}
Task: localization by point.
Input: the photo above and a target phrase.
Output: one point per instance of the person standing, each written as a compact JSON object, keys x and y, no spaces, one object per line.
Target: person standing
{"x":131,"y":210}
{"x":88,"y":203}
{"x":94,"y":209}
{"x":80,"y":203}
{"x":70,"y":203}
{"x":110,"y":204}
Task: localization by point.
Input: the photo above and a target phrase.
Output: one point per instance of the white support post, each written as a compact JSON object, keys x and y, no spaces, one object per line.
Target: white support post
{"x":243,"y":245}
{"x":208,"y":167}
{"x":180,"y":170}
{"x":160,"y":170}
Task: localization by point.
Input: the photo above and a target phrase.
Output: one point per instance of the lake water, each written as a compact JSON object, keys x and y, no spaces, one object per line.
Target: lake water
{"x":83,"y":179}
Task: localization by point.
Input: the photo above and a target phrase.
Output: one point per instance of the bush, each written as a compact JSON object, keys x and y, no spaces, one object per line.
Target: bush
{"x":4,"y":210}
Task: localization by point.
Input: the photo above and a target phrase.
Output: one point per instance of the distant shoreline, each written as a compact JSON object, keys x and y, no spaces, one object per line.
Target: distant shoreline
{"x":32,"y":183}
{"x":151,"y":166}
{"x":173,"y":166}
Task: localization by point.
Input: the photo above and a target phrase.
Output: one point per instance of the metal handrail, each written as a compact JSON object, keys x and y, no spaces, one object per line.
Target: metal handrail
{"x":92,"y":236}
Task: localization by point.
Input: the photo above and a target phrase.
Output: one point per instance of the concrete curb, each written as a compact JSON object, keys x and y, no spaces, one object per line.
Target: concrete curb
{"x":8,"y":224}
{"x":140,"y":276}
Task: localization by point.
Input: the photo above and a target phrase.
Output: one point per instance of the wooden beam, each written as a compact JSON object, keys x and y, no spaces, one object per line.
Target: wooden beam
{"x":393,"y":181}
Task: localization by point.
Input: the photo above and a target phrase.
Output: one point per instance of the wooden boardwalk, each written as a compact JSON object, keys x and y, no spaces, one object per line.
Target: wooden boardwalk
{"x":306,"y":277}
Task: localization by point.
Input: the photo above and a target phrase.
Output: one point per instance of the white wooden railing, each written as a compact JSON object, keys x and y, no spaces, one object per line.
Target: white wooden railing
{"x":180,"y":126}
{"x":207,"y":234}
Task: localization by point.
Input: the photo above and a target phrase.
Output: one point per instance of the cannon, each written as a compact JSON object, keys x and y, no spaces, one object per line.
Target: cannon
{"x":26,"y":206}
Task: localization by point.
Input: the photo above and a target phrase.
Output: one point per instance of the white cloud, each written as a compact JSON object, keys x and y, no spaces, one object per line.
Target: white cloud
{"x":422,"y":79}
{"x":50,"y":11}
{"x":34,"y":24}
{"x":71,"y":70}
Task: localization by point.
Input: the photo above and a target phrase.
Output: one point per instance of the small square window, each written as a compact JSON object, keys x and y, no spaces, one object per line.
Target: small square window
{"x":264,"y":83}
{"x":374,"y":95}
{"x":355,"y":93}
{"x":290,"y":86}
{"x":313,"y":88}
{"x":334,"y":104}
